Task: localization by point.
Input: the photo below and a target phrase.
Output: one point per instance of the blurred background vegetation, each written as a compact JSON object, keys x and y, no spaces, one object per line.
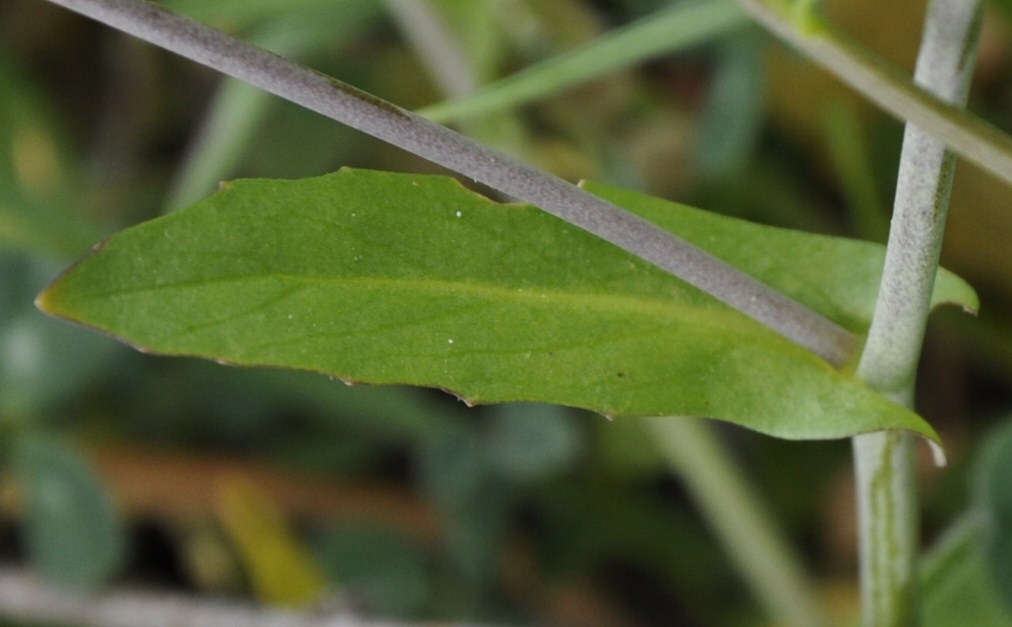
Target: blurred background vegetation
{"x":119,"y":467}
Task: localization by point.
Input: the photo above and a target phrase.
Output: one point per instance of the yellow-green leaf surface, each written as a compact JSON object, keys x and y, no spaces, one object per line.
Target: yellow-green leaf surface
{"x":391,"y":278}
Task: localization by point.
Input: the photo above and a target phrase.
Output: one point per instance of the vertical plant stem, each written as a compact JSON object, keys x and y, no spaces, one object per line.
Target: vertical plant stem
{"x":887,"y":527}
{"x":739,"y":518}
{"x":884,"y":462}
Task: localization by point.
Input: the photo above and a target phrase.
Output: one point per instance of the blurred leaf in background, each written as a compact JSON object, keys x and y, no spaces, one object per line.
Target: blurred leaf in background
{"x":73,"y":534}
{"x":281,"y":570}
{"x":968,"y":574}
{"x":381,"y":571}
{"x":994,"y":476}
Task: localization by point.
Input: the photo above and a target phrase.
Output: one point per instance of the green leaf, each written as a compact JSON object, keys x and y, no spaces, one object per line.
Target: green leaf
{"x":992,"y":494}
{"x":966,"y":578}
{"x":454,"y":471}
{"x":379,"y":567}
{"x":966,"y":595}
{"x":528,"y":442}
{"x":735,"y":109}
{"x":74,"y":536}
{"x":389,"y":278}
{"x":1005,"y":6}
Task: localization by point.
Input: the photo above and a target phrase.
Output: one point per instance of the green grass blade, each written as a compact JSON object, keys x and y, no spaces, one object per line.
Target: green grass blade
{"x":681,"y":26}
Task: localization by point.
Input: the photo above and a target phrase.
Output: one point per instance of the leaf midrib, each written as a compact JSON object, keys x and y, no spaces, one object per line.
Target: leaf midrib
{"x":659,"y":308}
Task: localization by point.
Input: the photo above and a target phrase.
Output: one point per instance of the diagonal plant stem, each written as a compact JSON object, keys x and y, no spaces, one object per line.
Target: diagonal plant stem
{"x":885,"y":473}
{"x":883,"y":84}
{"x":440,"y":145}
{"x":744,"y":525}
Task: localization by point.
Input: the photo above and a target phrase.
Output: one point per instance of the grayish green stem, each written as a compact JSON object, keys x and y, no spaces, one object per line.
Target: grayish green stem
{"x":741,"y":520}
{"x":440,"y":145}
{"x":885,"y":472}
{"x":944,"y":67}
{"x":888,"y":527}
{"x":883,"y":84}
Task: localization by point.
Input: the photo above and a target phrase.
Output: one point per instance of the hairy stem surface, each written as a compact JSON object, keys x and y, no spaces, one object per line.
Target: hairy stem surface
{"x":885,"y":473}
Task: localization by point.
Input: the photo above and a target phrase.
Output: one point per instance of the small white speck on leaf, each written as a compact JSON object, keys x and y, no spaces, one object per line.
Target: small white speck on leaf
{"x":449,"y":340}
{"x":459,"y":214}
